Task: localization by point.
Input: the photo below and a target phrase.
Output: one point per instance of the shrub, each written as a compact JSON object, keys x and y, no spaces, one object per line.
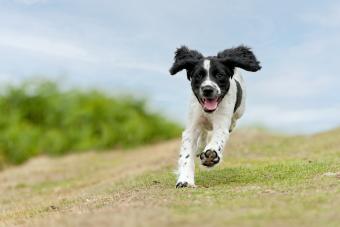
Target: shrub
{"x":37,"y":117}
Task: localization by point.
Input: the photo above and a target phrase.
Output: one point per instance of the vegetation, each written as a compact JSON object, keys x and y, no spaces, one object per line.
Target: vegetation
{"x":264,"y":180}
{"x":37,"y":117}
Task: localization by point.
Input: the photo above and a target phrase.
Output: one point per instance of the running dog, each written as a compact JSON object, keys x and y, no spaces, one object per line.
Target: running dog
{"x":218,"y":101}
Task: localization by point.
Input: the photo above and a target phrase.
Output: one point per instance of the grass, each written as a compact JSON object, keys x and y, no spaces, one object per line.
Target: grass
{"x":37,"y":117}
{"x":264,"y":180}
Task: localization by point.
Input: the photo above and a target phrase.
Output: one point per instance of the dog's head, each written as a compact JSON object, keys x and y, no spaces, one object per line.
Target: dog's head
{"x":210,"y":76}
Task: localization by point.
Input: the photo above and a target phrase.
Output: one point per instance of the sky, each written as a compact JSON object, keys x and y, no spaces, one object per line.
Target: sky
{"x":127,"y":47}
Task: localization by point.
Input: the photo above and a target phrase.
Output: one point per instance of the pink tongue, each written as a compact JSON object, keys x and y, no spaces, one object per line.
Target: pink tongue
{"x":210,"y":104}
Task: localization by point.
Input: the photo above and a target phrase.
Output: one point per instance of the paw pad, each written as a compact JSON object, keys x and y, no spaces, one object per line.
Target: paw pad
{"x":209,"y":158}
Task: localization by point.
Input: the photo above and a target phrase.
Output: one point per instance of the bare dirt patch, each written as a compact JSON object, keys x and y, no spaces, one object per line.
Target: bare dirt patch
{"x":75,"y":184}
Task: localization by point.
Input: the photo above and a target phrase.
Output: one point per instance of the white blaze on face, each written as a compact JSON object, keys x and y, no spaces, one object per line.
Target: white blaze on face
{"x":208,"y":81}
{"x":209,"y":104}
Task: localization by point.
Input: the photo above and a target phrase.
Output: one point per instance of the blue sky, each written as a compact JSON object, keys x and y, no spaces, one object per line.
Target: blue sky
{"x":127,"y":47}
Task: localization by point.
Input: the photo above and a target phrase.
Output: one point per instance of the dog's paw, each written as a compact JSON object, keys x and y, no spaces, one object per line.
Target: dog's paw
{"x":184,"y":184}
{"x":209,"y":158}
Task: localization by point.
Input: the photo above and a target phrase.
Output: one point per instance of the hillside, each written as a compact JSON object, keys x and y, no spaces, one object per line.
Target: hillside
{"x":264,"y":180}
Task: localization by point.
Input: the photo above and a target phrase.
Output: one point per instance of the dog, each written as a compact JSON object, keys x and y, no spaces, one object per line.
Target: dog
{"x":218,"y":101}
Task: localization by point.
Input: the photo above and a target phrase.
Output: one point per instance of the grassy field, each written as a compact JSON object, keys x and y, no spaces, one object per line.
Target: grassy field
{"x":264,"y":180}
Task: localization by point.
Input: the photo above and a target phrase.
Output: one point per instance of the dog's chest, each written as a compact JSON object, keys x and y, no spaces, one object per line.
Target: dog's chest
{"x":205,"y":123}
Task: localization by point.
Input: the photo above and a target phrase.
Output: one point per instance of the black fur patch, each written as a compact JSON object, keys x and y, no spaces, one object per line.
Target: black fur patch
{"x":238,"y":96}
{"x":185,"y":59}
{"x":241,"y":57}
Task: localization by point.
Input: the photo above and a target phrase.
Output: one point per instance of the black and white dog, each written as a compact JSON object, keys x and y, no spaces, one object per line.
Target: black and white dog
{"x":218,"y":102}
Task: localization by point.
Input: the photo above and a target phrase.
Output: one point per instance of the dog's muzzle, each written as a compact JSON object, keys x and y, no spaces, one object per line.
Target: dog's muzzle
{"x":209,"y":98}
{"x":209,"y":92}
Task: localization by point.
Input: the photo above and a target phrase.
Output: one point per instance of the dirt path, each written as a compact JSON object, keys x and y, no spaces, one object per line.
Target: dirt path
{"x":34,"y":189}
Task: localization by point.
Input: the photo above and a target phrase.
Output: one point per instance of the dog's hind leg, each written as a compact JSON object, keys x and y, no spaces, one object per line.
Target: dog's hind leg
{"x":201,"y":142}
{"x":186,"y":161}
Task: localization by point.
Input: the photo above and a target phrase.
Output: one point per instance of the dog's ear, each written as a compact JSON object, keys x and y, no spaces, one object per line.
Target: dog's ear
{"x":185,"y":59}
{"x":241,"y":57}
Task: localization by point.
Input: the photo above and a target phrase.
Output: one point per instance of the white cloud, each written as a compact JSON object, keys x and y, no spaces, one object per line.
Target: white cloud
{"x":135,"y":64}
{"x":31,"y":2}
{"x":6,"y":78}
{"x":305,"y":70}
{"x":300,"y":120}
{"x":45,"y":45}
{"x":291,"y":84}
{"x":68,"y":50}
{"x":10,"y":79}
{"x":276,"y":115}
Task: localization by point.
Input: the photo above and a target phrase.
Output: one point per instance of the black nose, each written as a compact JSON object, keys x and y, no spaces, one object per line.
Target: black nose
{"x":208,"y":91}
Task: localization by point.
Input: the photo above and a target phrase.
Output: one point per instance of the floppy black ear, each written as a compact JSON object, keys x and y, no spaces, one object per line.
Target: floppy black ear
{"x":185,"y":59}
{"x":241,"y":57}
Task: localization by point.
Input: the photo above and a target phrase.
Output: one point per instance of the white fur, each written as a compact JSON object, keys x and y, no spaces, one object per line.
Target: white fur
{"x":218,"y":124}
{"x":208,"y":81}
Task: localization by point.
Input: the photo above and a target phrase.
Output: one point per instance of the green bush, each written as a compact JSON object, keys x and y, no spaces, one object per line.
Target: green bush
{"x":37,"y":117}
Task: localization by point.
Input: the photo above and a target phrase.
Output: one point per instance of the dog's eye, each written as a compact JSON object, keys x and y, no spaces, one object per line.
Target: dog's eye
{"x":199,"y":76}
{"x":219,"y":76}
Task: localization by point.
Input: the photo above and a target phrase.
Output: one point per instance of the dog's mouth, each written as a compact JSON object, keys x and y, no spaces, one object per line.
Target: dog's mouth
{"x":210,"y":105}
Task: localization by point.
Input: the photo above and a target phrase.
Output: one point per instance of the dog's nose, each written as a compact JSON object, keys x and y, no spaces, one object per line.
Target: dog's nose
{"x":208,"y":91}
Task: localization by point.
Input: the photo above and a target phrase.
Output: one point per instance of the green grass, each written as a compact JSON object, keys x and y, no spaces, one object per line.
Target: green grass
{"x":37,"y":117}
{"x":264,"y":180}
{"x":292,"y":192}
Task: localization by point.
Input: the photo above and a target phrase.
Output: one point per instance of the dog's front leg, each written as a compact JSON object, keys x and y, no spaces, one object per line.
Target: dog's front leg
{"x":186,"y":162}
{"x":213,"y":152}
